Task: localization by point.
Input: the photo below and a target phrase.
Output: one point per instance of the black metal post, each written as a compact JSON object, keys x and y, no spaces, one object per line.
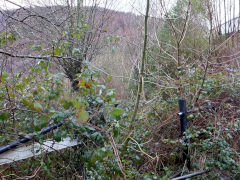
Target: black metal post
{"x":183,"y":120}
{"x":183,"y":115}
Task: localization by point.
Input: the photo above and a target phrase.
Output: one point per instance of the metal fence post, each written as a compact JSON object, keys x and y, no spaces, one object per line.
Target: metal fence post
{"x":183,"y":115}
{"x":183,"y":120}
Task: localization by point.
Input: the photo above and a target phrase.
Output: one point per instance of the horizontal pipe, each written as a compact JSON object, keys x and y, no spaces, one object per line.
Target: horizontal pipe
{"x":29,"y":137}
{"x":191,"y":175}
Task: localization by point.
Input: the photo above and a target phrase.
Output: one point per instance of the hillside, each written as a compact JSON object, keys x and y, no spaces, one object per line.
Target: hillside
{"x":95,"y":94}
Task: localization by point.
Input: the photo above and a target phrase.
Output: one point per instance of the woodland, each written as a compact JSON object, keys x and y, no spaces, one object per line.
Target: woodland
{"x":149,"y":94}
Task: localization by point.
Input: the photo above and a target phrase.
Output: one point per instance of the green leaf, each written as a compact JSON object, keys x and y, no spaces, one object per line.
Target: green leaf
{"x":110,"y":93}
{"x":79,"y":35}
{"x":30,"y":44}
{"x":114,"y":50}
{"x":90,"y":128}
{"x":190,"y":117}
{"x":25,"y":102}
{"x":94,"y":135}
{"x":99,"y":100}
{"x":53,"y":94}
{"x":57,"y":52}
{"x":4,"y":76}
{"x":66,"y":103}
{"x":138,"y":158}
{"x":4,"y":116}
{"x":82,"y":116}
{"x":228,"y":135}
{"x":118,"y":39}
{"x":43,"y":121}
{"x":76,"y":51}
{"x":37,"y":107}
{"x":37,"y":128}
{"x":57,"y":136}
{"x":109,"y":78}
{"x":66,"y":44}
{"x":36,"y":48}
{"x":84,"y":90}
{"x":82,"y":129}
{"x":115,"y":132}
{"x":59,"y":116}
{"x":117,"y":112}
{"x":76,"y":103}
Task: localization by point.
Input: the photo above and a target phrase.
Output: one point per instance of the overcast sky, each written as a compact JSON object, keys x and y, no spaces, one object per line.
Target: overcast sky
{"x":135,"y":6}
{"x":123,"y":5}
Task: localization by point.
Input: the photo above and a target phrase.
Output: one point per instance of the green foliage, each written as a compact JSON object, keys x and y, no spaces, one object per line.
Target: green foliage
{"x":220,"y":153}
{"x":117,"y":112}
{"x":7,"y":39}
{"x":33,"y":100}
{"x":43,"y":100}
{"x":82,"y":116}
{"x":36,"y":48}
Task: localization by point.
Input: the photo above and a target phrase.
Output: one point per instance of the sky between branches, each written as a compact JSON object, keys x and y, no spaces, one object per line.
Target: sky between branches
{"x":134,"y":6}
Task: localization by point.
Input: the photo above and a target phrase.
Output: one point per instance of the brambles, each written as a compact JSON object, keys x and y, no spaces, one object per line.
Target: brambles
{"x":184,"y":60}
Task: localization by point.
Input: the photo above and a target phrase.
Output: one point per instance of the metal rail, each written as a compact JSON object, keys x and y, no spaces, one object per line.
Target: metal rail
{"x":191,"y":175}
{"x":29,"y":137}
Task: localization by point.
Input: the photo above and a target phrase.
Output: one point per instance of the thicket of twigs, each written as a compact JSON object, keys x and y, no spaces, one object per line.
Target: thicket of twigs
{"x":114,"y":81}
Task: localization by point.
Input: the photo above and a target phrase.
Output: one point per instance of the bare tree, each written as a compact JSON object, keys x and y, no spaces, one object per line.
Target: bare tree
{"x":140,"y":82}
{"x":69,"y":33}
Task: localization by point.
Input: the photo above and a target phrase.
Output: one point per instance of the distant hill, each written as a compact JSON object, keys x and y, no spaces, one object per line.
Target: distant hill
{"x":118,"y":23}
{"x":43,"y":25}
